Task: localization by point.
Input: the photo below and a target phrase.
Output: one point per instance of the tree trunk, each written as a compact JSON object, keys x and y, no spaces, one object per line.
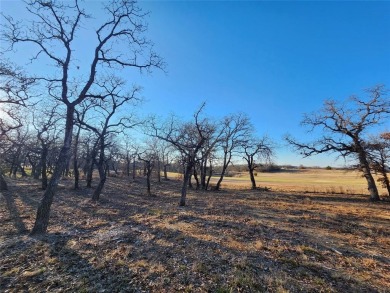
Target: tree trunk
{"x":209,"y":177}
{"x":24,"y":174}
{"x":99,"y":187}
{"x":186,"y":178}
{"x":90,"y":167}
{"x":148,"y":173}
{"x":252,"y":176}
{"x":134,"y":168}
{"x":128,"y":162}
{"x":43,"y":212}
{"x":43,"y":166}
{"x":158,"y":170}
{"x":365,"y":167}
{"x":385,"y":180}
{"x":196,"y":179}
{"x":102,"y":173}
{"x":189,"y":180}
{"x":165,"y":172}
{"x":3,"y":183}
{"x":226,"y":163}
{"x":75,"y":160}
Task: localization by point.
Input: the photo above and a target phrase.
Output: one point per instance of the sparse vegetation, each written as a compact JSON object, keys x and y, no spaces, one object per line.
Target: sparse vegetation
{"x":236,"y":240}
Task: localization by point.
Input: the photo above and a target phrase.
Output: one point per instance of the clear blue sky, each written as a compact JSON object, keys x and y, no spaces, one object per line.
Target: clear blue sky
{"x":272,"y":60}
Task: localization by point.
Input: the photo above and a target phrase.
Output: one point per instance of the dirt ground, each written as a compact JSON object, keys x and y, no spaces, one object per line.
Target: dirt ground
{"x":227,"y":241}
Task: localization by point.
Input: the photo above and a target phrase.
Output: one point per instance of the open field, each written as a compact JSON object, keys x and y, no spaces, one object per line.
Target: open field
{"x":303,"y":180}
{"x":229,"y":241}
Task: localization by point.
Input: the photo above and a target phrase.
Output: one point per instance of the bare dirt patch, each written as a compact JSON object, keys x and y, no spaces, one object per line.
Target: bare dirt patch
{"x":228,"y":241}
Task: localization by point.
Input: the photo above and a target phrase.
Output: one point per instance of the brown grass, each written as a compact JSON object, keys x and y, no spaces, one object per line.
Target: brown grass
{"x":228,"y":241}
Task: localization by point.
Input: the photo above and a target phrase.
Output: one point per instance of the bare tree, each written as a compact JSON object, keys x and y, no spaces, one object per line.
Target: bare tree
{"x":15,"y":86}
{"x":345,"y":128}
{"x":236,"y":131}
{"x":45,"y":123}
{"x":148,"y":157}
{"x":110,"y":101}
{"x":53,"y":33}
{"x":257,"y":149}
{"x":188,"y":139}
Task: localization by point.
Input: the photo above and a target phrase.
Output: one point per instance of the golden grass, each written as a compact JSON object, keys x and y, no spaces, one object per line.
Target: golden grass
{"x":301,"y":180}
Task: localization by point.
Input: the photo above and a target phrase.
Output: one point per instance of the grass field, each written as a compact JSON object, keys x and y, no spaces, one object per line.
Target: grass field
{"x":234,"y":240}
{"x":303,"y":180}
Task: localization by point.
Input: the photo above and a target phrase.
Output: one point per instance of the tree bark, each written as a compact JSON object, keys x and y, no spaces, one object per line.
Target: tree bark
{"x":158,"y":170}
{"x":43,"y":212}
{"x":75,"y":160}
{"x":3,"y":183}
{"x":209,"y":176}
{"x":102,"y":173}
{"x":165,"y":172}
{"x":187,"y":174}
{"x":252,"y":176}
{"x":99,"y":187}
{"x":148,"y":174}
{"x":365,"y":167}
{"x":226,"y":163}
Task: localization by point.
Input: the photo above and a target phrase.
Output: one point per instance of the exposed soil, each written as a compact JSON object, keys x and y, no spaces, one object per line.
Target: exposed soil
{"x":227,"y":241}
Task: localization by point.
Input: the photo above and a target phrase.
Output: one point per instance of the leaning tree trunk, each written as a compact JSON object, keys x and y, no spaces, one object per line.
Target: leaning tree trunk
{"x":196,"y":179}
{"x":43,"y":212}
{"x":3,"y":183}
{"x":252,"y":176}
{"x":209,"y":176}
{"x":365,"y":167}
{"x":99,"y":187}
{"x":226,"y":163}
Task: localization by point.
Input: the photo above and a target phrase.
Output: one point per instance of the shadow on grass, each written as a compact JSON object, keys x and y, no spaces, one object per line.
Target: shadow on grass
{"x":14,"y":212}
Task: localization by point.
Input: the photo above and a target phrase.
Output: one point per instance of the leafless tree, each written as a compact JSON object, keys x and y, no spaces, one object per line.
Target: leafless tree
{"x":237,"y":129}
{"x":188,"y":139}
{"x":149,"y":158}
{"x":45,"y":124}
{"x":106,"y":105}
{"x":345,"y":129}
{"x":52,"y":34}
{"x":257,"y":149}
{"x":15,"y":86}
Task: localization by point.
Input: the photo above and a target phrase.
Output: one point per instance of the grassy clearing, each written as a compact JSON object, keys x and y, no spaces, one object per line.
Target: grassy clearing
{"x":229,"y":241}
{"x":303,"y":180}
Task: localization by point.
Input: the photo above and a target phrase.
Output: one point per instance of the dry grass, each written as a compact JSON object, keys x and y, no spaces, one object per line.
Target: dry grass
{"x":228,"y":241}
{"x":303,"y":180}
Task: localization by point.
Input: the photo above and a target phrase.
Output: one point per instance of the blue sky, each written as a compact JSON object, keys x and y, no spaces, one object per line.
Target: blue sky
{"x":273,"y":60}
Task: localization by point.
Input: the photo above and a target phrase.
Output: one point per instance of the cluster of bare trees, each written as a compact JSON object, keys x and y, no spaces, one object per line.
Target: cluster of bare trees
{"x":68,"y":118}
{"x":51,"y":35}
{"x":347,"y":131}
{"x":73,"y":119}
{"x":202,"y":144}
